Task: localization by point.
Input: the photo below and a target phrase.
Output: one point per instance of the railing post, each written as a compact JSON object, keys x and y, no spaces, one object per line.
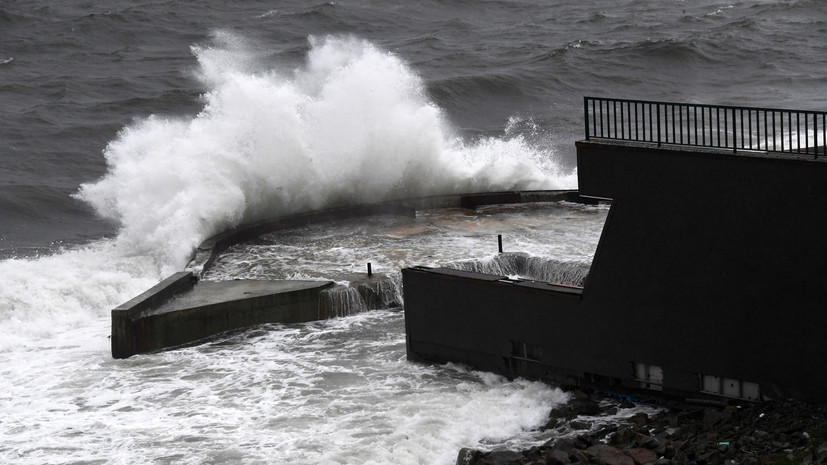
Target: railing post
{"x":586,"y":115}
{"x":657,"y":113}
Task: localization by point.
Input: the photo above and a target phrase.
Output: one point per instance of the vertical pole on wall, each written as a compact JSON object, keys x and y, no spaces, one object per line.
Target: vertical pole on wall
{"x":370,"y":272}
{"x":500,"y":242}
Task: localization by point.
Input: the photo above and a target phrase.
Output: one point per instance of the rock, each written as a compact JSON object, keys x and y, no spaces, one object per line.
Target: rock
{"x":713,"y":417}
{"x":558,"y":457}
{"x":605,"y":431}
{"x":467,"y":456}
{"x":501,"y":457}
{"x":580,"y":395}
{"x":580,"y":424}
{"x":583,"y":441}
{"x":648,"y":442}
{"x":551,"y":423}
{"x":577,"y":456}
{"x":641,"y":456}
{"x":562,"y":412}
{"x":711,"y":434}
{"x":585,"y":407}
{"x":622,"y":436}
{"x":564,"y":444}
{"x":609,"y":455}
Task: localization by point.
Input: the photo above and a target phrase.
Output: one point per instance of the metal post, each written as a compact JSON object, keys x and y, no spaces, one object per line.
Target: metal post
{"x":586,"y":115}
{"x":657,"y":113}
{"x":370,"y":272}
{"x":500,"y":242}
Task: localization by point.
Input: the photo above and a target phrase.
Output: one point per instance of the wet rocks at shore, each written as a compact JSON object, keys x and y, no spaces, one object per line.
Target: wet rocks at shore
{"x":593,"y":429}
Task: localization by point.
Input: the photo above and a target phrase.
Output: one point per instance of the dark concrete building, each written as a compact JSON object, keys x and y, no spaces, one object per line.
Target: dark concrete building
{"x":709,"y":277}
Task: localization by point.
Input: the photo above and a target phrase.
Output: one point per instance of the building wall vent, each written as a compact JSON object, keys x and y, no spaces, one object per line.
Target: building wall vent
{"x":649,"y":376}
{"x":730,"y":387}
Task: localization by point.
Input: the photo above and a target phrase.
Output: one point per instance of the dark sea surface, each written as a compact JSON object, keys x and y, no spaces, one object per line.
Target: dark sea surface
{"x":72,"y":74}
{"x":132,"y":131}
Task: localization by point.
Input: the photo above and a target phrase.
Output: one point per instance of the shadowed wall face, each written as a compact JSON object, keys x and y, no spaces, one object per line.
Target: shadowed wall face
{"x":709,"y":267}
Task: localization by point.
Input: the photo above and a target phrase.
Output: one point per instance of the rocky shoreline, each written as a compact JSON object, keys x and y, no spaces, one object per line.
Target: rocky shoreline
{"x":588,"y":430}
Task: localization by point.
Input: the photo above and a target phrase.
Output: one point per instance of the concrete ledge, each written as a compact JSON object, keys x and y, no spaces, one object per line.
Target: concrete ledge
{"x":160,"y":318}
{"x":156,"y":295}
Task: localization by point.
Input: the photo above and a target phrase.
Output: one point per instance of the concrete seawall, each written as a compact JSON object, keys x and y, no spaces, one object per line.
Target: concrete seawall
{"x":181,"y":309}
{"x":206,"y":253}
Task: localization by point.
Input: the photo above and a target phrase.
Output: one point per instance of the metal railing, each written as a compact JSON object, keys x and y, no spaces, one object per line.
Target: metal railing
{"x":714,"y":126}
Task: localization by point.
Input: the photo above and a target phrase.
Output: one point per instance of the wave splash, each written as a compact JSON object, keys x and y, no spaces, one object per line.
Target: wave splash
{"x":352,"y":125}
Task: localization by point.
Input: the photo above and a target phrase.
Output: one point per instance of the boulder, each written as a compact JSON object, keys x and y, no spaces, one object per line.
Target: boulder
{"x":501,"y":457}
{"x":609,"y":455}
{"x":467,"y":456}
{"x":642,"y":456}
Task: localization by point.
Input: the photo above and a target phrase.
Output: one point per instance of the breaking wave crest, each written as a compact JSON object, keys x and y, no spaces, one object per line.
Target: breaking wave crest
{"x":352,"y":125}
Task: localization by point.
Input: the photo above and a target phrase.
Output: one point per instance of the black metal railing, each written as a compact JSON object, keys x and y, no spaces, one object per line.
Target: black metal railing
{"x":714,"y":126}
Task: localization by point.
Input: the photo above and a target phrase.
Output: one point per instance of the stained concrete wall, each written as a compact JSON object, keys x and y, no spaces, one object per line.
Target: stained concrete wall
{"x":709,"y":264}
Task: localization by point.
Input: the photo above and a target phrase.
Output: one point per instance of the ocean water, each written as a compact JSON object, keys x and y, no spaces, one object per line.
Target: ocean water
{"x":132,"y":131}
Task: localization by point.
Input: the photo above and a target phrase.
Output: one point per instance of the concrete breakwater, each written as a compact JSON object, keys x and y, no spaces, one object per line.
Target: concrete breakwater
{"x":183,"y":309}
{"x":180,"y":310}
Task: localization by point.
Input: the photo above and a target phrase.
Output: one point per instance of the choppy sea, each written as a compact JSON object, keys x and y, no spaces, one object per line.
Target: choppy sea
{"x":130,"y":131}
